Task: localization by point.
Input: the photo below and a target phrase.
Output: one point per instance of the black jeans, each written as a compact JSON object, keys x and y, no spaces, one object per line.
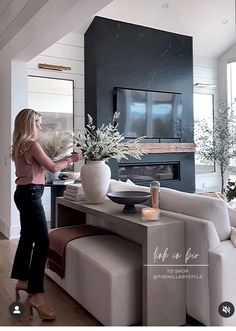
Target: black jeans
{"x":31,"y":255}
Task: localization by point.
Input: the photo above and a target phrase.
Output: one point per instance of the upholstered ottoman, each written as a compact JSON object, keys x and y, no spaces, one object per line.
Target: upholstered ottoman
{"x":103,"y":273}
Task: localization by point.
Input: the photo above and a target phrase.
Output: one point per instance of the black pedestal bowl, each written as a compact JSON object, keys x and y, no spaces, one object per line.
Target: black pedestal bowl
{"x":129,"y":199}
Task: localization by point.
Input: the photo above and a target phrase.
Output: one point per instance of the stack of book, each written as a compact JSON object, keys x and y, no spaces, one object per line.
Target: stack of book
{"x":66,"y":181}
{"x":74,"y":192}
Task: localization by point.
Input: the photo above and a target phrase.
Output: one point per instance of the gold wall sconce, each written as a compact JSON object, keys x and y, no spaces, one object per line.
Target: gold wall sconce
{"x":53,"y":67}
{"x":205,"y":85}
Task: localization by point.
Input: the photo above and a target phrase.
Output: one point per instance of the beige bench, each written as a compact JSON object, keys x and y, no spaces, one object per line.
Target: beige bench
{"x":104,"y":274}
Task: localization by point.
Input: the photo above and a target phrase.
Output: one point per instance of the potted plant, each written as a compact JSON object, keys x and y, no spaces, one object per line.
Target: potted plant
{"x":98,"y":145}
{"x":217,"y":143}
{"x":230,"y":191}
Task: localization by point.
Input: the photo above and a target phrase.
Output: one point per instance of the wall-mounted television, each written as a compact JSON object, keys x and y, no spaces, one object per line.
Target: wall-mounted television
{"x":154,"y":114}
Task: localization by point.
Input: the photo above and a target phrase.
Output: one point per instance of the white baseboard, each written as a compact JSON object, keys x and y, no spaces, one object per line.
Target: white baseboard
{"x":13,"y":232}
{"x":3,"y":228}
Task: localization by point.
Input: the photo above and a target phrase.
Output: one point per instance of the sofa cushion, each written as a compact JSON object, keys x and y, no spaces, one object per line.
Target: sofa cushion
{"x":222,"y":275}
{"x":232,"y":216}
{"x":233,"y":236}
{"x":231,"y":210}
{"x":211,"y":209}
{"x":116,"y":185}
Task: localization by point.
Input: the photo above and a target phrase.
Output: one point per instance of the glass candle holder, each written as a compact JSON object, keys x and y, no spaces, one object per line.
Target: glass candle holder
{"x":155,"y":194}
{"x":150,"y":214}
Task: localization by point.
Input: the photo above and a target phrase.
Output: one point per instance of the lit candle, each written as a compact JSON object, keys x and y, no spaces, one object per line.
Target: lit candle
{"x":150,"y":214}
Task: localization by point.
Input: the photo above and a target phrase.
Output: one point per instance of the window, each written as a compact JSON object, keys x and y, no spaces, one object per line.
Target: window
{"x":53,"y":98}
{"x":231,"y":95}
{"x":203,"y":109}
{"x":231,"y":84}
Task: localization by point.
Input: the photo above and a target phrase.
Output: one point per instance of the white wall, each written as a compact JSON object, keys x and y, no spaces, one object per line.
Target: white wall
{"x":68,"y":51}
{"x":5,"y":138}
{"x":224,"y":59}
{"x":205,"y":70}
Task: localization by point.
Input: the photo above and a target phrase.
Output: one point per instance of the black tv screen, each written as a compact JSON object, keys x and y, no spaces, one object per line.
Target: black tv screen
{"x":152,"y":114}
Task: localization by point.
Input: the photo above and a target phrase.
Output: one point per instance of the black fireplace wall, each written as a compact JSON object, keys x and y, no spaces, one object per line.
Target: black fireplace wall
{"x":119,"y":54}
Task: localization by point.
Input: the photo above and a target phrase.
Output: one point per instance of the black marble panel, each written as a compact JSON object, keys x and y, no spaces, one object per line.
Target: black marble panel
{"x":119,"y":54}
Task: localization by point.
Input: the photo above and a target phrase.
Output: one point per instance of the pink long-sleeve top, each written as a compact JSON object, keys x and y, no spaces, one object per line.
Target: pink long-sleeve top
{"x":30,"y":166}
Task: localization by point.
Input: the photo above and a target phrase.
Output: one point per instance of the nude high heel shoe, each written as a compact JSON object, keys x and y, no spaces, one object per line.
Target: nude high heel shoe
{"x":20,"y":287}
{"x":44,"y":311}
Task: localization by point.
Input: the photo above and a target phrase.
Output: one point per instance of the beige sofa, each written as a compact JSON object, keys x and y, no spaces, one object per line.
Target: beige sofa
{"x":210,"y":233}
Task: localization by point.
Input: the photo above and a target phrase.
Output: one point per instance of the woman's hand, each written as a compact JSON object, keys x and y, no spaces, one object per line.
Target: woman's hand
{"x":74,"y":157}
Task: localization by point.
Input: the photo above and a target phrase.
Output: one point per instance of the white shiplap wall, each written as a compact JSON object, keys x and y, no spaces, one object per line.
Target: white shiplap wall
{"x":68,"y":51}
{"x":205,"y":70}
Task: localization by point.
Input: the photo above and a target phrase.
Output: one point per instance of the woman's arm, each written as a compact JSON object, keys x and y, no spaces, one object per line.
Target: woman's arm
{"x":41,"y":157}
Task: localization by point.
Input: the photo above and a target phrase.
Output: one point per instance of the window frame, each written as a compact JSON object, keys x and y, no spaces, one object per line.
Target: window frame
{"x":213,"y":97}
{"x":64,"y":79}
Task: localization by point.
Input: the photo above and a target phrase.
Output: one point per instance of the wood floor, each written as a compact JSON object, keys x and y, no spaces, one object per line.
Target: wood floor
{"x":68,"y":311}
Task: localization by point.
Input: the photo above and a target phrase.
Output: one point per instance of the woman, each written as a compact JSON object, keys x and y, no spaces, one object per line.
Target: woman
{"x":31,"y":255}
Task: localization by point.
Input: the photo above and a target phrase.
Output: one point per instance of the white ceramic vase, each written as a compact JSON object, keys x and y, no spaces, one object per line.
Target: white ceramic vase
{"x":95,"y":178}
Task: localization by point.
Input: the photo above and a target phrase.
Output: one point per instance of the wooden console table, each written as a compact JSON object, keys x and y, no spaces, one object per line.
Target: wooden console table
{"x":163,"y":297}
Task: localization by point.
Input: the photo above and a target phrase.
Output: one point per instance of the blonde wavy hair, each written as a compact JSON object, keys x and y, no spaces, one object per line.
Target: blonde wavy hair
{"x":24,"y":130}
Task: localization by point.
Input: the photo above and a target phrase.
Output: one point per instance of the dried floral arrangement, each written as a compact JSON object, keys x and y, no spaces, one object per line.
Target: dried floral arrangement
{"x":106,"y":142}
{"x":55,"y":141}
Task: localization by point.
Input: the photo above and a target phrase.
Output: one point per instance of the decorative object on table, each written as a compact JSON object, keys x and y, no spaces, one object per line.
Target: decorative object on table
{"x":217,"y":143}
{"x":153,"y":214}
{"x":150,"y":214}
{"x":66,"y":181}
{"x":155,"y":194}
{"x":51,"y":176}
{"x":74,"y":192}
{"x":95,"y":178}
{"x":71,"y":174}
{"x":129,"y":199}
{"x":98,"y":145}
{"x":55,"y":142}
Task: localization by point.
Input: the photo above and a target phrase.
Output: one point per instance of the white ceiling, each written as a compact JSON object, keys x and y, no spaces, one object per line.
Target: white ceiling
{"x":201,"y":19}
{"x":14,"y":14}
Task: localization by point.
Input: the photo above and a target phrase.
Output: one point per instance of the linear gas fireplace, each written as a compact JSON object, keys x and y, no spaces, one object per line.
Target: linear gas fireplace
{"x":144,"y":173}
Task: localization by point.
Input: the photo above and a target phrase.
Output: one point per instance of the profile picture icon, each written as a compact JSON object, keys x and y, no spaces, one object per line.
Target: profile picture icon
{"x":16,"y":309}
